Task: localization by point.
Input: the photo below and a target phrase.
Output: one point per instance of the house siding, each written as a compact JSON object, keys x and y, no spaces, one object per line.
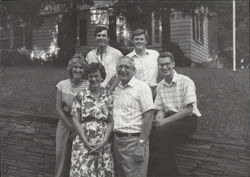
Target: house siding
{"x":182,"y":34}
{"x":199,"y":52}
{"x":43,"y":36}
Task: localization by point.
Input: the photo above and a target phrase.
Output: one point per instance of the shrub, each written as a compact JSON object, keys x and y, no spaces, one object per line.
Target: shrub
{"x":15,"y":58}
{"x":24,"y":57}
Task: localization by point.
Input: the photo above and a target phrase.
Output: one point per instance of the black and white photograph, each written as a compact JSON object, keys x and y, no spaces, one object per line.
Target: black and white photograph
{"x":124,"y":88}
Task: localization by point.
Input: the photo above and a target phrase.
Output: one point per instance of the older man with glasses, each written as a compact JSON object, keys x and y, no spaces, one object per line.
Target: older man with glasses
{"x":133,"y":115}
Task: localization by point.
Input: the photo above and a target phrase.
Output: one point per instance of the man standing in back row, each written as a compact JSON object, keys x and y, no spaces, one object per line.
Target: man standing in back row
{"x":104,"y":54}
{"x":145,"y":59}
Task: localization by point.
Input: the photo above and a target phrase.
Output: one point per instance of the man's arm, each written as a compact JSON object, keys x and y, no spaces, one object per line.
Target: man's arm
{"x":147,"y":124}
{"x":187,"y":111}
{"x":146,"y":129}
{"x":147,"y":107}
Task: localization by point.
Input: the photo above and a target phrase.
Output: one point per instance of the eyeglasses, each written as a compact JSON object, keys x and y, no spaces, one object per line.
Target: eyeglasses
{"x":124,"y":66}
{"x":101,"y":35}
{"x":164,"y":64}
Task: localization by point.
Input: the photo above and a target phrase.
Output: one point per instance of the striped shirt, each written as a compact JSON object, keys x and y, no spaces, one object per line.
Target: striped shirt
{"x":176,"y":95}
{"x":130,"y":102}
{"x":146,"y":66}
{"x":108,"y":59}
{"x":69,"y":92}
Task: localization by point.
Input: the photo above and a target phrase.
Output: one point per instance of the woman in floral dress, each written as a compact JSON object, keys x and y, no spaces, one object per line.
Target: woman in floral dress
{"x":92,"y":118}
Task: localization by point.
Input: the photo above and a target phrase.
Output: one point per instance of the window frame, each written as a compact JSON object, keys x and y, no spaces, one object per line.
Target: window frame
{"x":153,"y":31}
{"x":11,"y":36}
{"x":198,"y":28}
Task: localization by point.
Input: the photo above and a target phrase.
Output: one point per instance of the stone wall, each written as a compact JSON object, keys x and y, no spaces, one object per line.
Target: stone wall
{"x":28,"y":150}
{"x":27,"y":145}
{"x":207,"y":157}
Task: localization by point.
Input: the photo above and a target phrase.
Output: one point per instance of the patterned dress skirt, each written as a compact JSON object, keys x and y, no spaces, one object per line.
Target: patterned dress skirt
{"x":98,"y":164}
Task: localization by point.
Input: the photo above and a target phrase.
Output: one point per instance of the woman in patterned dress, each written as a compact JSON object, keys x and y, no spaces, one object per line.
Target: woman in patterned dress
{"x":92,"y":117}
{"x":66,"y":91}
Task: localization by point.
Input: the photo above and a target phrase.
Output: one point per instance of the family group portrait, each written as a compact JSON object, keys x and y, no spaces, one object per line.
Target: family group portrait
{"x":124,"y":88}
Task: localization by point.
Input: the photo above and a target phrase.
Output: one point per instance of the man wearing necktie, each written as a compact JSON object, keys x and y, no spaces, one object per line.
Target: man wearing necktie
{"x":104,"y":54}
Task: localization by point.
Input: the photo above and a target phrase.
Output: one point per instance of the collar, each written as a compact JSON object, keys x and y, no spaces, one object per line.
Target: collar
{"x":89,"y":94}
{"x":174,"y":80}
{"x":131,"y":83}
{"x":105,"y":51}
{"x":147,"y":52}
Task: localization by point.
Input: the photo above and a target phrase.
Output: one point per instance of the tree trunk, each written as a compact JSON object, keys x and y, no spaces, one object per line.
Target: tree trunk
{"x":112,"y":30}
{"x":166,"y":40}
{"x":68,"y":34}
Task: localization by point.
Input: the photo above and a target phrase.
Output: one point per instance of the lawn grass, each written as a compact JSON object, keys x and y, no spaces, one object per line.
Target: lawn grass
{"x":223,"y":97}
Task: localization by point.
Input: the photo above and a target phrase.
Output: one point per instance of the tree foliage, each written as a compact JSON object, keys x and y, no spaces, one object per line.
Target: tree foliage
{"x":16,"y":12}
{"x":224,"y":11}
{"x":29,"y":12}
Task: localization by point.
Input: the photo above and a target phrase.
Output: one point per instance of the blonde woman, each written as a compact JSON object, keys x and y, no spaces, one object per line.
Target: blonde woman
{"x":66,"y":90}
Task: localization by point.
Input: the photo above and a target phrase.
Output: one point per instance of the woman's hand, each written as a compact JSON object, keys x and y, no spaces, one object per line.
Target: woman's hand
{"x":89,"y":146}
{"x":72,"y":135}
{"x":98,"y":146}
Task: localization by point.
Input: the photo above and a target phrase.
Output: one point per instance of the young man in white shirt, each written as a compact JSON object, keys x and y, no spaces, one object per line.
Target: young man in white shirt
{"x":146,"y":63}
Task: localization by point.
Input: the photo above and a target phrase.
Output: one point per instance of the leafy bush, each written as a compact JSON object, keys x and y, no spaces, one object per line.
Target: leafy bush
{"x":15,"y":58}
{"x":24,"y":57}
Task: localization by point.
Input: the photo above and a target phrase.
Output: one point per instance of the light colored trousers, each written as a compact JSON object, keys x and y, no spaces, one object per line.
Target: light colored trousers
{"x":63,"y":150}
{"x":125,"y":164}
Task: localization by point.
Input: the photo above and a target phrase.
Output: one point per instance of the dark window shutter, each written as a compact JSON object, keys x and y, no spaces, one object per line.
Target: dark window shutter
{"x":193,"y":15}
{"x":28,"y":37}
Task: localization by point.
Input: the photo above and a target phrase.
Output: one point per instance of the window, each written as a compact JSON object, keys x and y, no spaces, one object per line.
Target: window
{"x":150,"y":22}
{"x":4,"y":38}
{"x":198,"y":28}
{"x":12,"y":37}
{"x":99,"y":17}
{"x":156,"y":28}
{"x":18,"y":37}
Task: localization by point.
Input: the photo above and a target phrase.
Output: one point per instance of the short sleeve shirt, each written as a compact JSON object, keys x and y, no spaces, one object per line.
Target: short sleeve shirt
{"x":176,"y":95}
{"x":146,"y":66}
{"x":108,"y":59}
{"x":130,"y":102}
{"x":68,"y":92}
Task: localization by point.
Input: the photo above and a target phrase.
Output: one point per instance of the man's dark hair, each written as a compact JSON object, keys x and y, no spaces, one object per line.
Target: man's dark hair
{"x":140,"y":31}
{"x":100,"y":29}
{"x":166,"y":54}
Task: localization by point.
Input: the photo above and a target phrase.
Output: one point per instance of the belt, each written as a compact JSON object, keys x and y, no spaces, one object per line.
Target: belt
{"x":120,"y":134}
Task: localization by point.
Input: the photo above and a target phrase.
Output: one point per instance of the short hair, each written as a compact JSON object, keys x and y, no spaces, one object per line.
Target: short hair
{"x":77,"y":58}
{"x":100,"y":29}
{"x":166,"y":54}
{"x":140,"y":31}
{"x":132,"y":61}
{"x":95,"y":67}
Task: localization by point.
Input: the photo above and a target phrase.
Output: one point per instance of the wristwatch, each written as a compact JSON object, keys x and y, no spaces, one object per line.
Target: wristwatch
{"x":141,"y":141}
